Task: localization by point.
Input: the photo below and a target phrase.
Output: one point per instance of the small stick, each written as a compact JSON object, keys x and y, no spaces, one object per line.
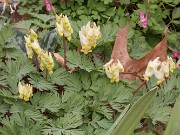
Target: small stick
{"x":64,"y":47}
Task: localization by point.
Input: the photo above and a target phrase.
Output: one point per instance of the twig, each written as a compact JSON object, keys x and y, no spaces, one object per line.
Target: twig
{"x":36,"y":59}
{"x":64,"y":47}
{"x":140,"y":86}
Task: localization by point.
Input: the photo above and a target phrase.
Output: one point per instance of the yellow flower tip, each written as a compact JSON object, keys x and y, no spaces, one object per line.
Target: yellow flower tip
{"x":166,"y":74}
{"x":21,"y":96}
{"x":149,"y":68}
{"x":146,"y":78}
{"x":69,"y":38}
{"x":122,"y":69}
{"x":51,"y":72}
{"x":111,"y":81}
{"x":26,"y":99}
{"x":160,"y":81}
{"x":30,"y":56}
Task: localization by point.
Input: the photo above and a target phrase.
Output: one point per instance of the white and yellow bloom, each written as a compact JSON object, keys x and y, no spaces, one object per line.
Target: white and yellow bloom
{"x":159,"y":75}
{"x":46,"y":61}
{"x":112,"y":70}
{"x":88,"y":36}
{"x":63,"y":26}
{"x":171,"y":64}
{"x":25,"y":91}
{"x":150,"y":68}
{"x":35,"y":46}
{"x":28,"y":46}
{"x":165,"y":68}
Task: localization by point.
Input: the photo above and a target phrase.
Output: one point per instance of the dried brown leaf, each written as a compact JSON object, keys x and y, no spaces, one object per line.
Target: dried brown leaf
{"x":136,"y":66}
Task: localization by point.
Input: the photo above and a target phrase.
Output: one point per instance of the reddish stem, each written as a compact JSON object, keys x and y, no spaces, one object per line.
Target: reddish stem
{"x":64,"y":47}
{"x":140,"y":86}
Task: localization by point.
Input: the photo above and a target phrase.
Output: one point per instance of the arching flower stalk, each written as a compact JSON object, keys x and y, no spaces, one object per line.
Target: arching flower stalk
{"x":42,"y":57}
{"x":88,"y":36}
{"x":64,"y":30}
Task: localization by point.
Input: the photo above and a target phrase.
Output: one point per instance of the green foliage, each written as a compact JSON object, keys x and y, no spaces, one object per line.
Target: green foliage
{"x":85,"y":102}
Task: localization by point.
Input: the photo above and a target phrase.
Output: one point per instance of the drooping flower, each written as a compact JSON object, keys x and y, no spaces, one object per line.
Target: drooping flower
{"x":150,"y":68}
{"x":159,"y":75}
{"x":143,"y":19}
{"x":159,"y":69}
{"x":46,"y":61}
{"x":28,"y":46}
{"x":25,"y":91}
{"x":175,"y":54}
{"x":63,"y":26}
{"x":112,"y":70}
{"x":32,"y":44}
{"x":171,"y":64}
{"x":88,"y":36}
{"x":48,"y":5}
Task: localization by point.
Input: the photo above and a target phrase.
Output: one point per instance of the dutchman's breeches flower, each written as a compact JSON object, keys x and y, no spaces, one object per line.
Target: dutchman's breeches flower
{"x":162,"y":73}
{"x":46,"y":61}
{"x":143,"y":19}
{"x":63,"y":26}
{"x":88,"y":36}
{"x":25,"y":91}
{"x":112,"y":70}
{"x":150,"y":68}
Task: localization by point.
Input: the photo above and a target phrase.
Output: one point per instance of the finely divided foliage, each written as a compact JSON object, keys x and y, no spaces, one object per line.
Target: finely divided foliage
{"x":81,"y":102}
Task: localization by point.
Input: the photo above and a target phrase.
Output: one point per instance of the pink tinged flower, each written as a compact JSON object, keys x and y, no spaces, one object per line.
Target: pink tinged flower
{"x":48,"y":5}
{"x":143,"y":19}
{"x":175,"y":54}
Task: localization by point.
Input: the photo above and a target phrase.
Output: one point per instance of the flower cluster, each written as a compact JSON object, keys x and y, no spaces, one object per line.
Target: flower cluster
{"x":112,"y":69}
{"x":44,"y":58}
{"x":63,"y":26}
{"x":25,"y":91}
{"x":88,"y":36}
{"x":143,"y":19}
{"x":32,"y":44}
{"x":159,"y":69}
{"x":7,"y":3}
{"x":46,"y":61}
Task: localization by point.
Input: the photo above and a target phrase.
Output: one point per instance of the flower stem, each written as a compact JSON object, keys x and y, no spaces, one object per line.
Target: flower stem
{"x":140,"y":86}
{"x":64,"y":47}
{"x":36,"y":60}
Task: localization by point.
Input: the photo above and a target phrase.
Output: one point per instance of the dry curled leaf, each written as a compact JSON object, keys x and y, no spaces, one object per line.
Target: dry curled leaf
{"x":136,"y":66}
{"x":60,"y":60}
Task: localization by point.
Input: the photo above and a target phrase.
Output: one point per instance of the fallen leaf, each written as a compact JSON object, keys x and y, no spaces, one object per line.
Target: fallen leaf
{"x":136,"y":66}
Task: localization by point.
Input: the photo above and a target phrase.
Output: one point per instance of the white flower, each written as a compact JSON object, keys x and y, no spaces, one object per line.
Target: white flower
{"x":112,"y":70}
{"x":171,"y":64}
{"x":150,"y":68}
{"x":63,"y":26}
{"x":159,"y":75}
{"x":165,"y":68}
{"x":25,"y":91}
{"x":88,"y":36}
